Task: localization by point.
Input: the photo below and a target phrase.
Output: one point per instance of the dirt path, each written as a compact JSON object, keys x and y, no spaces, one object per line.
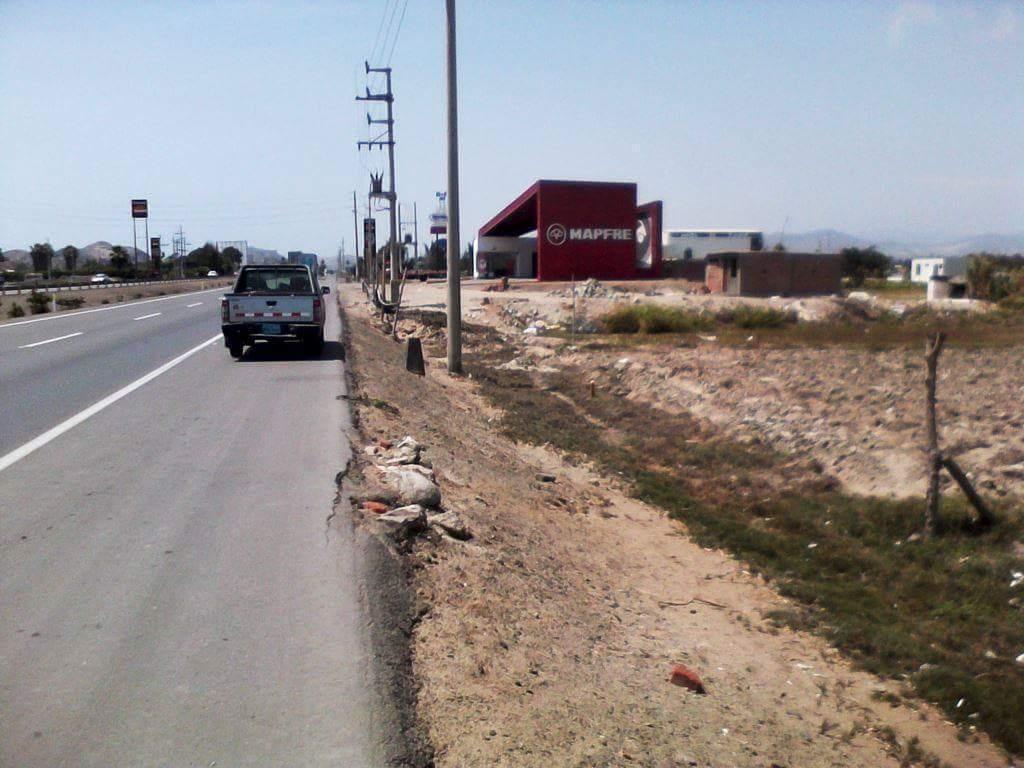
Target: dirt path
{"x":549,"y":638}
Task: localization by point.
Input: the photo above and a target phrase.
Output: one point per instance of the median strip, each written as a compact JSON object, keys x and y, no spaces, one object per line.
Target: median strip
{"x":52,"y":434}
{"x":49,"y":341}
{"x":120,"y":305}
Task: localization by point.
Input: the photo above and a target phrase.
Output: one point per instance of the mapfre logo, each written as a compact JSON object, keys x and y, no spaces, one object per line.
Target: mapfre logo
{"x":556,"y":234}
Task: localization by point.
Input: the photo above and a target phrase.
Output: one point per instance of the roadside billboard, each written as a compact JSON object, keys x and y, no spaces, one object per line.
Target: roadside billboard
{"x":140,"y":209}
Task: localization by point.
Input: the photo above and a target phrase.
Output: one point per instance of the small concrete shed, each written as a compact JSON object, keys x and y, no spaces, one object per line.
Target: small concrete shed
{"x":773,"y":273}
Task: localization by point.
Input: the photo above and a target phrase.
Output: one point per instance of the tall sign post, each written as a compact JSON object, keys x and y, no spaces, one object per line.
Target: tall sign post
{"x":140,"y":210}
{"x":154,"y":253}
{"x":454,"y":294}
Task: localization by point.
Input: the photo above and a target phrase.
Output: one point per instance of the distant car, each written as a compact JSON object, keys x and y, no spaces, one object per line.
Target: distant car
{"x":212,"y":273}
{"x":100,"y":277}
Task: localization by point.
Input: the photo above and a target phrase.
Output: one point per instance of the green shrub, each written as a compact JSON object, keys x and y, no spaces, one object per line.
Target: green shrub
{"x":747,"y":316}
{"x":16,"y":310}
{"x":70,"y":302}
{"x":653,"y":318}
{"x":1013,"y":303}
{"x":38,"y":303}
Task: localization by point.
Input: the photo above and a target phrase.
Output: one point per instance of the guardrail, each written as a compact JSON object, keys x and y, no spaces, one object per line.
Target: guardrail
{"x":93,"y":286}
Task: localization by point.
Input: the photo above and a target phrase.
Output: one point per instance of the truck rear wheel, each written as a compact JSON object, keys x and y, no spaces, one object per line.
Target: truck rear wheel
{"x":236,"y":349}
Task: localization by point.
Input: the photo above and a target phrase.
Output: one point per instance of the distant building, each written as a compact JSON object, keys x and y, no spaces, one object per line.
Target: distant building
{"x":773,"y":273}
{"x":923,"y":269}
{"x":311,"y":260}
{"x":695,"y":244}
{"x":684,"y":251}
{"x":255,"y":255}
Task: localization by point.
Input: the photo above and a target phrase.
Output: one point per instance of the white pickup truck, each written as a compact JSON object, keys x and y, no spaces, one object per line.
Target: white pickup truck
{"x":274,"y":302}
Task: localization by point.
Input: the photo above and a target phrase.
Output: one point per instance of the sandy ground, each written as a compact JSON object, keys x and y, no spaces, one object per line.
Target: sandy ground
{"x":548,"y":639}
{"x":859,"y":413}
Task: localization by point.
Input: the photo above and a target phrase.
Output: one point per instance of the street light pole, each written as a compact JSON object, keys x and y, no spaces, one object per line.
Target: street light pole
{"x":454,"y":294}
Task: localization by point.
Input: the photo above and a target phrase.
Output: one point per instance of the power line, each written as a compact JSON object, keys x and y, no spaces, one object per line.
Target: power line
{"x":380,"y":26}
{"x":397,"y":31}
{"x":387,"y":32}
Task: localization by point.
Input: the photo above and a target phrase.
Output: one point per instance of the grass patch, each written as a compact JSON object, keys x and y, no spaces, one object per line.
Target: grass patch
{"x":654,"y":318}
{"x":892,"y":289}
{"x":749,"y":316}
{"x":658,"y":318}
{"x":927,"y":610}
{"x":779,"y":329}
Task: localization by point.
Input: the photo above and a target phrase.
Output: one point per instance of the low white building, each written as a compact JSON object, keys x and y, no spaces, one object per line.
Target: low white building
{"x":923,"y":269}
{"x":695,"y":244}
{"x":505,"y":257}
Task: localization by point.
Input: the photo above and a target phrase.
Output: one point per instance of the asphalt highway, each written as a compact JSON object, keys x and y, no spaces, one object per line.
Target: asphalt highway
{"x":171,"y":592}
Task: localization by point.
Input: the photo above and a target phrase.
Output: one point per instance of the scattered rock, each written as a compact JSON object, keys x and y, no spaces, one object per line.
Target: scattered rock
{"x":545,"y":477}
{"x":415,"y":484}
{"x":376,"y":507}
{"x":450,"y":523}
{"x":407,"y":451}
{"x":404,"y":522}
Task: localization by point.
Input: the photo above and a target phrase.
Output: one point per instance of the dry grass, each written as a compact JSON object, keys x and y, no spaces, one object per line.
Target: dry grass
{"x":936,"y":611}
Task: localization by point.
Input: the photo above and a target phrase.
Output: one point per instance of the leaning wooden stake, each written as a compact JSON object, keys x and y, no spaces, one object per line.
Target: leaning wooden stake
{"x":985,"y":516}
{"x":935,"y":460}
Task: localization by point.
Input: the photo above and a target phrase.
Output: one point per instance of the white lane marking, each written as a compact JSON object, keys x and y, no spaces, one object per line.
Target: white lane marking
{"x":189,"y":306}
{"x":224,"y":289}
{"x":52,"y":434}
{"x":146,"y":317}
{"x":50,"y":341}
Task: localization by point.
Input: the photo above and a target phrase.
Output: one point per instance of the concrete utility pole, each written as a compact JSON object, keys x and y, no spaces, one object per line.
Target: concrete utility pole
{"x":454,"y":288}
{"x":389,"y":98}
{"x":355,"y":226}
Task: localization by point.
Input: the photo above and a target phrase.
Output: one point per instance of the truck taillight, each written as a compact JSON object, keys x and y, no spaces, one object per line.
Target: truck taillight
{"x":224,"y":310}
{"x":318,"y":310}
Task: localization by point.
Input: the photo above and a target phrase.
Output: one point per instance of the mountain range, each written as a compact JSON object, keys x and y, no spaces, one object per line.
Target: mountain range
{"x":834,"y":240}
{"x":98,"y":251}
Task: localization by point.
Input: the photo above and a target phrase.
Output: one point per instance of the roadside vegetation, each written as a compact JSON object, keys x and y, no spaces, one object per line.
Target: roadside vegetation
{"x":15,"y":306}
{"x":658,"y":318}
{"x":937,"y":612}
{"x":777,"y":328}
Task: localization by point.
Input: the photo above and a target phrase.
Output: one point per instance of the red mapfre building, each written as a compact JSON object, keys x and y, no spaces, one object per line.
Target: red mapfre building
{"x":560,"y":230}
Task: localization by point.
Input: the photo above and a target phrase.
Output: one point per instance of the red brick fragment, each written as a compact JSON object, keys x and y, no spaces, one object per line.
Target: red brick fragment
{"x":375,"y":506}
{"x":687,"y":678}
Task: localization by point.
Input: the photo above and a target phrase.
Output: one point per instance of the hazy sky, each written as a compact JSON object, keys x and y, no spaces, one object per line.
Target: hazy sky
{"x":237,"y":119}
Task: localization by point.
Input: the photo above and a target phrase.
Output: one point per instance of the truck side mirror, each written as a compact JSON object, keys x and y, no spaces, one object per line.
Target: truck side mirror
{"x":326,"y":289}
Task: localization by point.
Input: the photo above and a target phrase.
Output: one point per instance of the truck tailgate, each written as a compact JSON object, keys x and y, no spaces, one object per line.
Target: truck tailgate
{"x":247,"y":309}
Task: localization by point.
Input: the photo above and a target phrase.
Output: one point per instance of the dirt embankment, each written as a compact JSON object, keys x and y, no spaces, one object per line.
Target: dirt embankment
{"x":549,"y":637}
